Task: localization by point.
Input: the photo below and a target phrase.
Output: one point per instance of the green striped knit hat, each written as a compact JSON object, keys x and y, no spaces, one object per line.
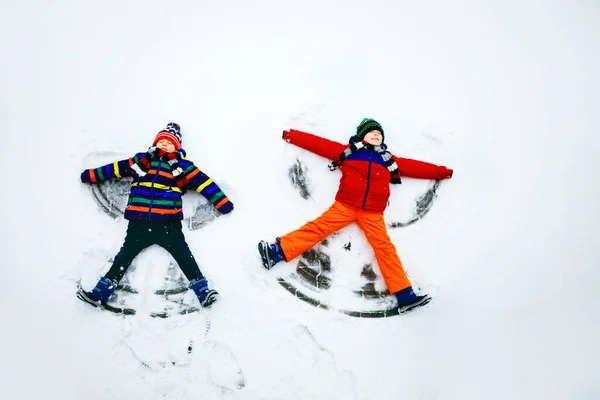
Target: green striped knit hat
{"x":367,"y":125}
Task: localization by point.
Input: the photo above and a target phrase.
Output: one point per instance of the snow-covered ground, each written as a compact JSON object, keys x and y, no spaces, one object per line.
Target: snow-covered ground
{"x":506,"y":93}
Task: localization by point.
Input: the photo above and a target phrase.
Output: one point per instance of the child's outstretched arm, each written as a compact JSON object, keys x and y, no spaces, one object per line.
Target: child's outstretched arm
{"x":204,"y":185}
{"x":116,"y":170}
{"x":316,"y":144}
{"x":422,"y":170}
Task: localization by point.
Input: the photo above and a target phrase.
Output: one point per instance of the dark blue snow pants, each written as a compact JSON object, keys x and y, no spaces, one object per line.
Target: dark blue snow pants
{"x":142,"y":234}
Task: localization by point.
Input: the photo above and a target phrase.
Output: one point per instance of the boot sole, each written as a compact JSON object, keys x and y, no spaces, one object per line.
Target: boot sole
{"x":409,"y":307}
{"x":211,"y":298}
{"x":83,"y":296}
{"x":263,"y":250}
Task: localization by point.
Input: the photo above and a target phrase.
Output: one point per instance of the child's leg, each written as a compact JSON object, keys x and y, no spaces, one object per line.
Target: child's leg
{"x":137,"y":239}
{"x":335,"y":218}
{"x":174,"y":242}
{"x":373,"y":226}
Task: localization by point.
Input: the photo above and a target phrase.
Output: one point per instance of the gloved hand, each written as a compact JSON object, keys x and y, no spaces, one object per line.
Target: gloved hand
{"x":444,"y":173}
{"x":226,"y":208}
{"x":85,"y":177}
{"x":284,"y":135}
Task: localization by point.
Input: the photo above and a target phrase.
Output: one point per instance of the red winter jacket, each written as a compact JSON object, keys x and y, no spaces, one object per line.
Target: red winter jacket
{"x":365,"y":181}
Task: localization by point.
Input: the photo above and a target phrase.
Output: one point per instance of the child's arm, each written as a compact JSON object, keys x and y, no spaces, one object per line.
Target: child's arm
{"x":116,"y":170}
{"x":318,"y":145}
{"x":202,"y":184}
{"x":422,"y":170}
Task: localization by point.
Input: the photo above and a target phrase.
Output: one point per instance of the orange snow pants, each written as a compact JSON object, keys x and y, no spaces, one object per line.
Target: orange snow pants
{"x":371,"y":223}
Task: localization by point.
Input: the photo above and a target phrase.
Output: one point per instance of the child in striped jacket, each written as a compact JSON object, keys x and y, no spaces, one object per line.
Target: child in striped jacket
{"x":154,"y":209}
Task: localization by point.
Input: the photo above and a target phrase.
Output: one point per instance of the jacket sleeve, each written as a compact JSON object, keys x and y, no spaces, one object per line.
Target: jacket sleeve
{"x":318,"y":145}
{"x":204,"y":185}
{"x":116,"y":170}
{"x":421,"y":170}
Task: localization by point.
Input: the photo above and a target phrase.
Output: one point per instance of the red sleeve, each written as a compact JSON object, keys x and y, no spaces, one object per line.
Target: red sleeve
{"x":421,"y":170}
{"x":318,"y":145}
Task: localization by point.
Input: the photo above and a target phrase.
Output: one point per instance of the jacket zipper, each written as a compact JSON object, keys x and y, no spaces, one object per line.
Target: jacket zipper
{"x":152,"y":189}
{"x":368,"y":181}
{"x":173,"y":192}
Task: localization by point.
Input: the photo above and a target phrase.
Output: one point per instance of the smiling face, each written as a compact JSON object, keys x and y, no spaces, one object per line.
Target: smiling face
{"x":374,"y":137}
{"x":166,"y":145}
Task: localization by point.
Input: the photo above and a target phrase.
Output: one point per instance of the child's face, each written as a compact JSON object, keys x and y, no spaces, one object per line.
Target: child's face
{"x":374,"y":137}
{"x":166,"y":145}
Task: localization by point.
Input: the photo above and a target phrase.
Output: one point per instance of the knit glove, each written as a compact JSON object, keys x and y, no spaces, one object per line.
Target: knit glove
{"x":85,"y":177}
{"x":445,"y":173}
{"x":226,"y":208}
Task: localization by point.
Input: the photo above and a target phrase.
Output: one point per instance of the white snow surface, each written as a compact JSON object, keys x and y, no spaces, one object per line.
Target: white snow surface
{"x":504,"y":92}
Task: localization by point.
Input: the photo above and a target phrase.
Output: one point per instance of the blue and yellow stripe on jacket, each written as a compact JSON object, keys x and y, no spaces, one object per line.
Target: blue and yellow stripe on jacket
{"x":156,"y":196}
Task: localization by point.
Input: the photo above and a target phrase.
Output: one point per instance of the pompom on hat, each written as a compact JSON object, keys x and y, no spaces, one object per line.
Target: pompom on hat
{"x":367,"y":125}
{"x":172,"y":133}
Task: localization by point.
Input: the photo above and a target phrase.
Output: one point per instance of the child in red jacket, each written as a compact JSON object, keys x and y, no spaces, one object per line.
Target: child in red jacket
{"x":367,"y":171}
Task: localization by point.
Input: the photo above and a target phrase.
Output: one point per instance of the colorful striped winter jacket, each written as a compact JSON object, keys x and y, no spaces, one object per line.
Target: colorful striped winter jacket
{"x":365,"y":181}
{"x":156,"y":196}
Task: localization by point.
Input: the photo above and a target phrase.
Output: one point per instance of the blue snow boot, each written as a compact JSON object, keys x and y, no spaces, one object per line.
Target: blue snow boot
{"x":270,"y":254}
{"x":408,"y":300}
{"x":205,"y":295}
{"x":99,"y":294}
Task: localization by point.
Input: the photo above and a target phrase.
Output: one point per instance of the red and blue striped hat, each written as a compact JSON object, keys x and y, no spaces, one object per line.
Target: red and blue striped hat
{"x":172,"y":132}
